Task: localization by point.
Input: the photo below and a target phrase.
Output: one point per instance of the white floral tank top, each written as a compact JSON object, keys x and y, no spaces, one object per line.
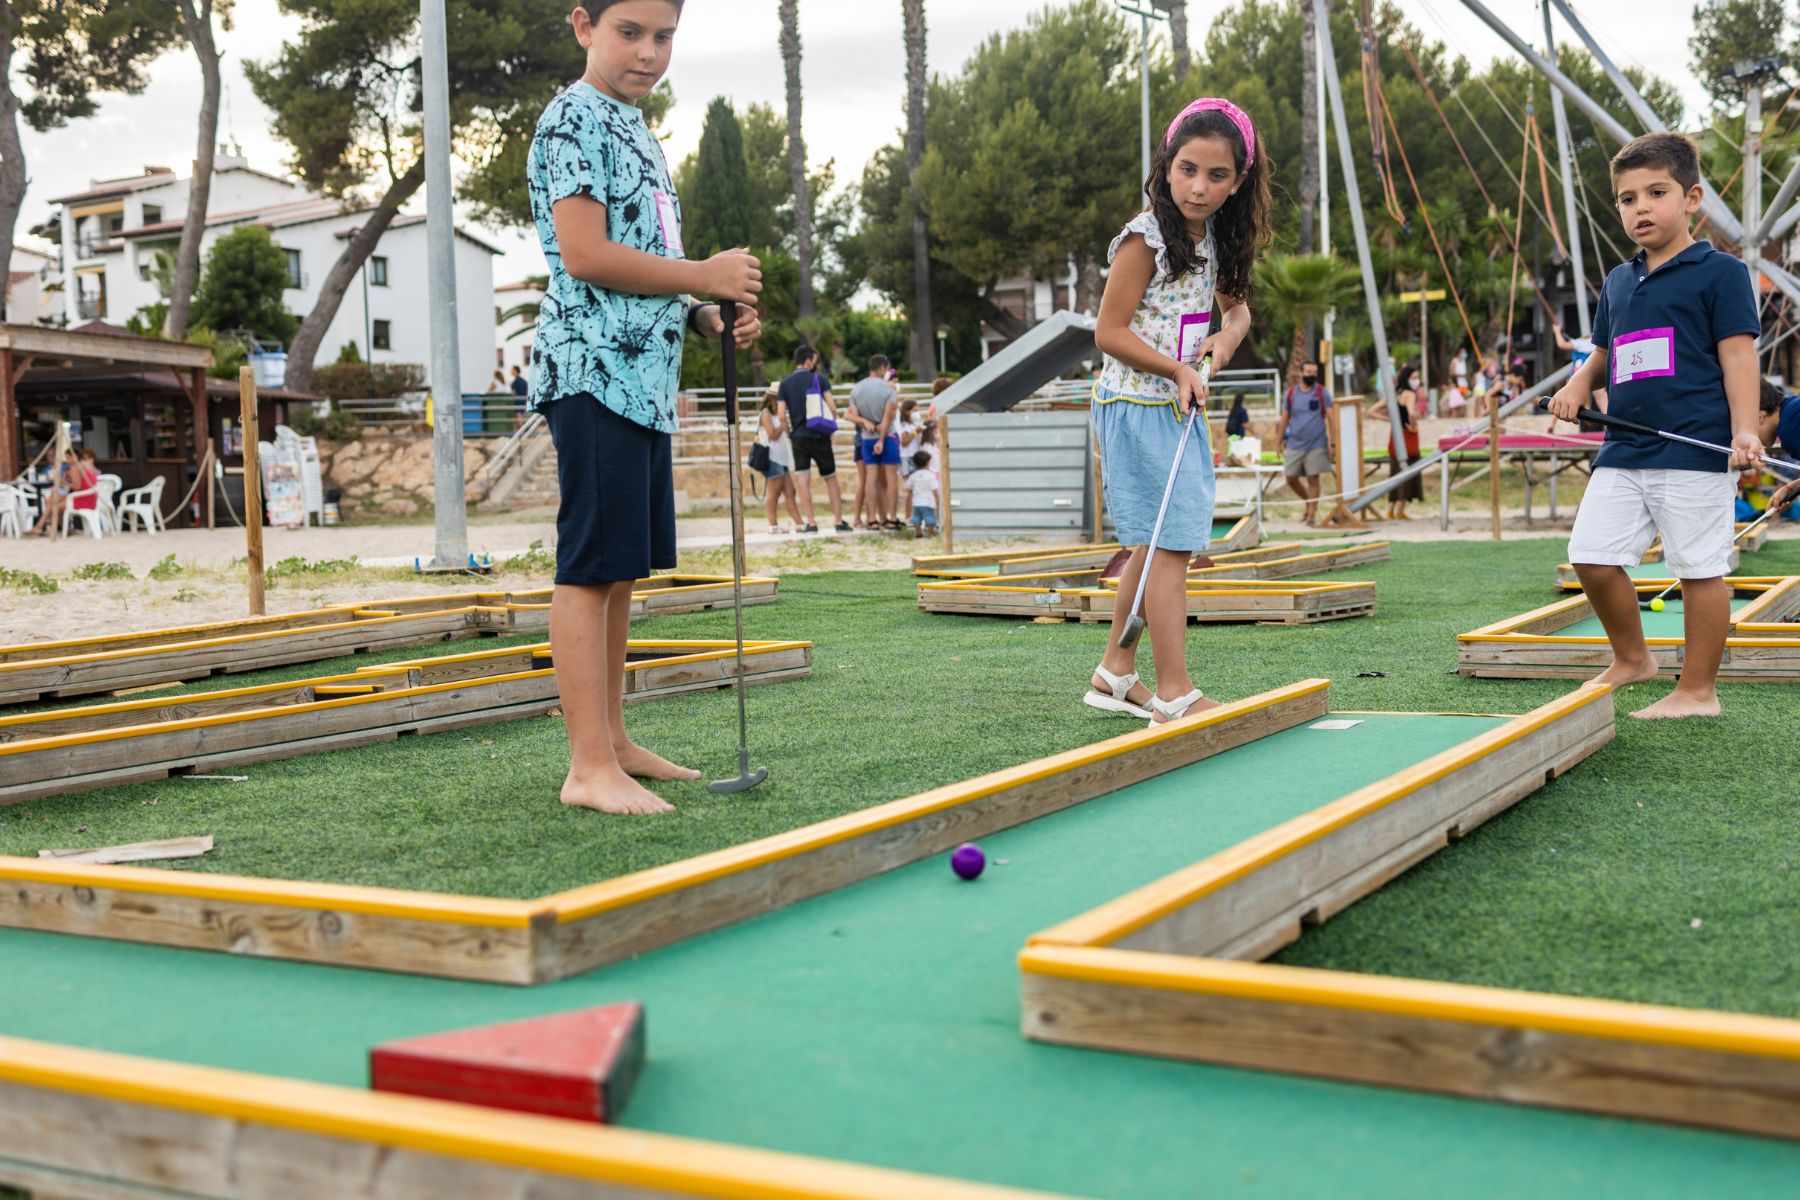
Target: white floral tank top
{"x":1173,"y":318}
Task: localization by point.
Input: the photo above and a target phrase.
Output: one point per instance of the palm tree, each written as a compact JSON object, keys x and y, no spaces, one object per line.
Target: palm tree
{"x":796,"y":149}
{"x":913,"y":13}
{"x":1309,"y":125}
{"x":1297,"y":290}
{"x":1178,"y":35}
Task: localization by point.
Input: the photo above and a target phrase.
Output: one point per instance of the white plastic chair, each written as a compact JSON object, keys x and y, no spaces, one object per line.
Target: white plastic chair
{"x":118,"y":485}
{"x":142,"y":507}
{"x":98,"y":519}
{"x":27,"y":503}
{"x":10,"y":504}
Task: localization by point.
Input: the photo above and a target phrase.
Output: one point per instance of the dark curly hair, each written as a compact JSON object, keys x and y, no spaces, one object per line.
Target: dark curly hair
{"x":1240,"y":225}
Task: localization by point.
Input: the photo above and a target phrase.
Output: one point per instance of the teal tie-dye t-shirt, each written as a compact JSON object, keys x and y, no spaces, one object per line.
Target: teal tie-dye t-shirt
{"x":622,"y":348}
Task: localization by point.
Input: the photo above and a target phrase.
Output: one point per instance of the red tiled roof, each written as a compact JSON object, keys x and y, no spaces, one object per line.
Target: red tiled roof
{"x":118,"y":187}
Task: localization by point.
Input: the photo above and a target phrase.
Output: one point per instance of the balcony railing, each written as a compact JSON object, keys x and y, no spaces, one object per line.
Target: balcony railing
{"x":92,"y":245}
{"x":91,"y":309}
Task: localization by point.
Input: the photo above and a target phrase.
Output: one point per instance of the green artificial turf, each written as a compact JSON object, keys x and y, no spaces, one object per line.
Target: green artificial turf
{"x":879,"y":1023}
{"x":1593,"y":886}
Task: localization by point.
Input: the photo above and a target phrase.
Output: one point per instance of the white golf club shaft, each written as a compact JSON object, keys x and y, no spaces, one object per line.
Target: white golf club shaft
{"x":1198,"y":414}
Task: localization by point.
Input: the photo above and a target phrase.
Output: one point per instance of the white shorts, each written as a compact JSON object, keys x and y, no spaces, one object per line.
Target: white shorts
{"x":1623,"y":510}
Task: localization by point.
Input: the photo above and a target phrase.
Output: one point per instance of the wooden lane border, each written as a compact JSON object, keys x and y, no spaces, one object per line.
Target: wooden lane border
{"x":111,"y":744}
{"x":1290,"y":565}
{"x":92,"y":1123}
{"x":1531,"y":646}
{"x":1167,"y":970}
{"x":1209,"y":600}
{"x":1568,"y":581}
{"x":534,"y":941}
{"x":97,"y":664}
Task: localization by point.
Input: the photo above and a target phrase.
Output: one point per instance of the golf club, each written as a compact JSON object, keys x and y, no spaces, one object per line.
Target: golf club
{"x":1593,"y":416}
{"x":1134,"y":624}
{"x":746,"y":778}
{"x":1649,"y":605}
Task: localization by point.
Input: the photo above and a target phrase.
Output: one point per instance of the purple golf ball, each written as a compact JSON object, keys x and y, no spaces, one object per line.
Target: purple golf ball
{"x":967,"y":860}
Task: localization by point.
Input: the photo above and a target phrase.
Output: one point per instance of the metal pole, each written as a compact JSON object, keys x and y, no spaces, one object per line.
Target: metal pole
{"x":440,"y":240}
{"x":1424,"y":332}
{"x":1144,"y":79}
{"x":1324,"y":203}
{"x":1752,"y":175}
{"x":1779,"y":218}
{"x":1564,"y":152}
{"x":251,"y":429}
{"x":1384,"y":375}
{"x":1715,"y":210}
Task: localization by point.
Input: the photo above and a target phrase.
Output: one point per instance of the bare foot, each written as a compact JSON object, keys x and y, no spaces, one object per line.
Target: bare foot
{"x":612,"y":792}
{"x":1138,"y":693}
{"x":1625,"y":672}
{"x":1680,"y":704}
{"x":642,"y":764}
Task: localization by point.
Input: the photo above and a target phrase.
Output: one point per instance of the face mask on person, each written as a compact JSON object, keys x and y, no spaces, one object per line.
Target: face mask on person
{"x":1309,"y":377}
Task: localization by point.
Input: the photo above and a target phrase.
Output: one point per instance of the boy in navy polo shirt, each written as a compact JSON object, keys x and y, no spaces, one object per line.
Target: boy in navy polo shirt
{"x":1675,"y":347}
{"x":606,"y":361}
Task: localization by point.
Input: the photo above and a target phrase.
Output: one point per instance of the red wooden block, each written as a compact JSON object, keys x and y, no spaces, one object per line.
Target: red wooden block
{"x":579,"y":1065}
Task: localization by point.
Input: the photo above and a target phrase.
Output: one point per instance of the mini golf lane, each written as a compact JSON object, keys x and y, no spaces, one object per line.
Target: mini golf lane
{"x":1664,"y":624}
{"x":880,"y":1024}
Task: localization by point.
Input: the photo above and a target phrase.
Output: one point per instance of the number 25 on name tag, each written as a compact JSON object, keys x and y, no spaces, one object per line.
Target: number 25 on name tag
{"x":1646,"y":353}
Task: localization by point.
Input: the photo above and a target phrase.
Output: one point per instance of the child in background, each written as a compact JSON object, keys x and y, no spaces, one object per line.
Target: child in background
{"x":928,"y":444}
{"x":906,"y":428}
{"x":1195,"y":243}
{"x":1675,"y":340}
{"x":772,"y":428}
{"x":921,"y":488}
{"x":606,"y":361}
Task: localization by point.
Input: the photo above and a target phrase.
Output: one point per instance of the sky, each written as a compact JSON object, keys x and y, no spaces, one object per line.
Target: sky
{"x":853,"y":70}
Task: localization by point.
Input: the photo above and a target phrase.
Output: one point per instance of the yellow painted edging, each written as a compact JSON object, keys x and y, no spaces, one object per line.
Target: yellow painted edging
{"x":1133,"y":911}
{"x":580,"y":903}
{"x":626,"y":1158}
{"x":1614,"y":1020}
{"x":245,"y":889}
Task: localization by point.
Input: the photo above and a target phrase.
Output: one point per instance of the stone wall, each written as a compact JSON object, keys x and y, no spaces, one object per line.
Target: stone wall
{"x":391,"y":475}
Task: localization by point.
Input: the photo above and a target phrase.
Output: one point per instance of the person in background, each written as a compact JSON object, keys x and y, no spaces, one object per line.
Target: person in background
{"x":1303,"y":433}
{"x":1237,"y":421}
{"x":805,"y":387}
{"x":1459,"y":379}
{"x":772,"y":430}
{"x":519,"y":386}
{"x":921,"y":487}
{"x":1406,"y":398}
{"x":873,"y":409}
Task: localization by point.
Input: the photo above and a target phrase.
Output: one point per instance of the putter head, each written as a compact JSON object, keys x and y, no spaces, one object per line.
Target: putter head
{"x":742,"y":783}
{"x":1134,"y":629}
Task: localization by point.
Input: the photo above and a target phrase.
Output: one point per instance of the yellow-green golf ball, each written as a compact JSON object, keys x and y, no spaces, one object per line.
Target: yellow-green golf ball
{"x":1657,"y":605}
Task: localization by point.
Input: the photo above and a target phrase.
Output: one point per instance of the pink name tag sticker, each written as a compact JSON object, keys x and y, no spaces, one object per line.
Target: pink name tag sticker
{"x":1190,"y":332}
{"x":1644,"y":354}
{"x":670,"y":220}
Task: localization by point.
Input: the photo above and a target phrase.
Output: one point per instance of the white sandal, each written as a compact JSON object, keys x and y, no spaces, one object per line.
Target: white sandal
{"x":1116,"y":703}
{"x":1174,"y":710}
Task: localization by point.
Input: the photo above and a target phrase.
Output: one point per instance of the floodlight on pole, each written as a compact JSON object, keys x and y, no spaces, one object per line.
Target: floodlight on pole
{"x":1158,"y":11}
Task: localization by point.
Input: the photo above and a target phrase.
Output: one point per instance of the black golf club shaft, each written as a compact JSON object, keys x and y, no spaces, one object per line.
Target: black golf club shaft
{"x":728,"y":351}
{"x":1593,"y":416}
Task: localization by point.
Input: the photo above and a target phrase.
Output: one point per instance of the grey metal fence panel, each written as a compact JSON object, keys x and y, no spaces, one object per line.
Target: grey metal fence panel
{"x":1020,"y":473}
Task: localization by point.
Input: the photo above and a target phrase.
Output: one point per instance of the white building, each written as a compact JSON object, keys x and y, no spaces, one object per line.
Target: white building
{"x":31,"y":295}
{"x":513,"y":334}
{"x":112,"y":233}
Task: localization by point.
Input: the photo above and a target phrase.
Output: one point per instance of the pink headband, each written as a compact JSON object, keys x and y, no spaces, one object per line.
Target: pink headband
{"x":1245,"y":129}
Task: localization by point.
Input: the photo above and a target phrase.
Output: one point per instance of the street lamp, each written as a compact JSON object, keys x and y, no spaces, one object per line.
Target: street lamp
{"x":1158,"y":11}
{"x":942,"y":334}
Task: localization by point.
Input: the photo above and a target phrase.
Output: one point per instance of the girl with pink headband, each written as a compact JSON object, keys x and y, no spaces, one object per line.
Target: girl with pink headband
{"x":1193,"y":246}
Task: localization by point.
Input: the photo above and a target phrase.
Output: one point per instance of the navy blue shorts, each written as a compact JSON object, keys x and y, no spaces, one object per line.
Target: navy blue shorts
{"x":617,"y":478}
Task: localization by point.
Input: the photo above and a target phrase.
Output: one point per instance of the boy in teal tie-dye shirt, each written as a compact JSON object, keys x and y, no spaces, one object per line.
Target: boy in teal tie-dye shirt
{"x":606,"y":363}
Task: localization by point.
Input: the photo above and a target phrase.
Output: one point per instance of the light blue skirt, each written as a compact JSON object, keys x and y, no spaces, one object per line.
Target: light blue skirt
{"x":1137,"y":446}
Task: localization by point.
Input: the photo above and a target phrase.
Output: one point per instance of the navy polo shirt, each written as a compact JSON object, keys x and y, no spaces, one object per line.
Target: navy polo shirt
{"x":1661,"y":330}
{"x":1787,"y":429}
